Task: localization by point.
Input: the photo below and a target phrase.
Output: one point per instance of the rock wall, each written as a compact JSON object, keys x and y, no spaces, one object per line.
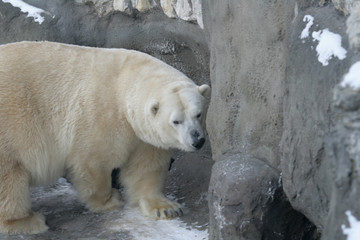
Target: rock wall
{"x":272,"y":106}
{"x":309,"y":115}
{"x":249,"y":47}
{"x":188,"y":10}
{"x":343,"y":152}
{"x":176,"y":42}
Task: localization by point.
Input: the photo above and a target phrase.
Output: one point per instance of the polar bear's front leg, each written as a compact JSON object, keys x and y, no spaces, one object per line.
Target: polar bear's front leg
{"x":143,"y":177}
{"x":93,"y":185}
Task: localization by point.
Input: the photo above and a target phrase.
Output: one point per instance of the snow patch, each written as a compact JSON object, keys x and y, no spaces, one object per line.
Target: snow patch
{"x":143,"y":228}
{"x":305,"y":32}
{"x":353,"y":232}
{"x":127,"y":219}
{"x":329,"y":45}
{"x":352,"y":78}
{"x":32,"y":11}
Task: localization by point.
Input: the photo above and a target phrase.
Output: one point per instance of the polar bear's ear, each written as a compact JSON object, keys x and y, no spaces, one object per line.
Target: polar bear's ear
{"x":154,"y":107}
{"x":204,"y":90}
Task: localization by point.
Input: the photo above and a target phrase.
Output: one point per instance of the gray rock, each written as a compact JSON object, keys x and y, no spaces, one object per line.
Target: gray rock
{"x":343,"y":151}
{"x":249,"y":52}
{"x":248,"y":42}
{"x":246,"y":202}
{"x":240,"y":188}
{"x":353,"y":26}
{"x":309,"y":115}
{"x":180,"y":44}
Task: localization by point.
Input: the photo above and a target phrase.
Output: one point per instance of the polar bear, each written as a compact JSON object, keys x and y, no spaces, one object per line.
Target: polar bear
{"x":84,"y":111}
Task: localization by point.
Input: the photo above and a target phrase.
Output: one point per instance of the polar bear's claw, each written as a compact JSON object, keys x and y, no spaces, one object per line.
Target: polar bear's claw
{"x":160,"y":208}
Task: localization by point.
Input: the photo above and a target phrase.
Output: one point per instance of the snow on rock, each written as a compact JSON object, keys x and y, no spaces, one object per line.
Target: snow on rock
{"x":305,"y":32}
{"x":329,"y":46}
{"x":352,"y":78}
{"x":353,"y":232}
{"x":32,"y":11}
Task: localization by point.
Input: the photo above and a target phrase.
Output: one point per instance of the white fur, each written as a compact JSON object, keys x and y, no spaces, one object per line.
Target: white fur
{"x":82,"y":112}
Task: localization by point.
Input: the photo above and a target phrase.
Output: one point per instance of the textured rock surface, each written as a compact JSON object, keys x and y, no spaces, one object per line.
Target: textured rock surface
{"x":247,"y":202}
{"x":269,"y":84}
{"x":247,"y":71}
{"x":248,"y":61}
{"x":309,"y":115}
{"x":353,"y":27}
{"x":188,"y":10}
{"x":345,"y":6}
{"x":343,"y":151}
{"x":180,"y":44}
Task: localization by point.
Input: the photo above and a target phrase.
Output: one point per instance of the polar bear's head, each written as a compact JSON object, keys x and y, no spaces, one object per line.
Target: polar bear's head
{"x":178,"y":117}
{"x":175,"y":118}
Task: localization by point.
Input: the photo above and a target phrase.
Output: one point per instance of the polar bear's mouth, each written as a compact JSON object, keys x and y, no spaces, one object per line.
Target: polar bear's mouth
{"x":193,"y":141}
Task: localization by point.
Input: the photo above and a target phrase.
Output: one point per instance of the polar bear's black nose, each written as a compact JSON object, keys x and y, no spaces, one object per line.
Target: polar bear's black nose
{"x":198,"y":141}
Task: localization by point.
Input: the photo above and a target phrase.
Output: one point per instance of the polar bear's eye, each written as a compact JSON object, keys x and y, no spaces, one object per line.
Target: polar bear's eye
{"x":198,"y":116}
{"x":176,"y":122}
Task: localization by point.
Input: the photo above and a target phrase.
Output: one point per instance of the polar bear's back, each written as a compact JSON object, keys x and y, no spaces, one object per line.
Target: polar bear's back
{"x":54,"y":96}
{"x":44,"y":88}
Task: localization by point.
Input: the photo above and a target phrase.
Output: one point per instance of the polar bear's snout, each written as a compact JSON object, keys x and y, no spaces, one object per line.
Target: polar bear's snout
{"x":197,"y":139}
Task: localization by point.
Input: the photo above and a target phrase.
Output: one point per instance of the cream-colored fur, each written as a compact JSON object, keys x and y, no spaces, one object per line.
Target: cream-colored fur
{"x":84,"y":111}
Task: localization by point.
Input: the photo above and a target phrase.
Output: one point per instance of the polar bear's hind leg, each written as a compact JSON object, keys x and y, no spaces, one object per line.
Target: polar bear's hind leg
{"x":15,"y":206}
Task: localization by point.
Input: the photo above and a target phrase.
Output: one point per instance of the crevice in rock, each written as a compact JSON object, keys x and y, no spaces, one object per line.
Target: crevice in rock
{"x":282,"y":222}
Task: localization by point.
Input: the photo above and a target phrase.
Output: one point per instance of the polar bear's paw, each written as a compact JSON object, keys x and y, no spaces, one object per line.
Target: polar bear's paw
{"x":32,"y":224}
{"x":114,"y":202}
{"x":160,"y":208}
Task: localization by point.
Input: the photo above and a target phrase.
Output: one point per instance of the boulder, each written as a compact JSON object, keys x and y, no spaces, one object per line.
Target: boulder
{"x":246,"y":201}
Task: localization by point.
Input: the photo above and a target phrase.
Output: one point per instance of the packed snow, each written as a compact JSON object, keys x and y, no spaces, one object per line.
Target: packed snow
{"x":305,"y":32}
{"x":329,"y":43}
{"x":32,"y":11}
{"x":352,"y":78}
{"x":353,"y":232}
{"x":128,"y":220}
{"x":143,"y":228}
